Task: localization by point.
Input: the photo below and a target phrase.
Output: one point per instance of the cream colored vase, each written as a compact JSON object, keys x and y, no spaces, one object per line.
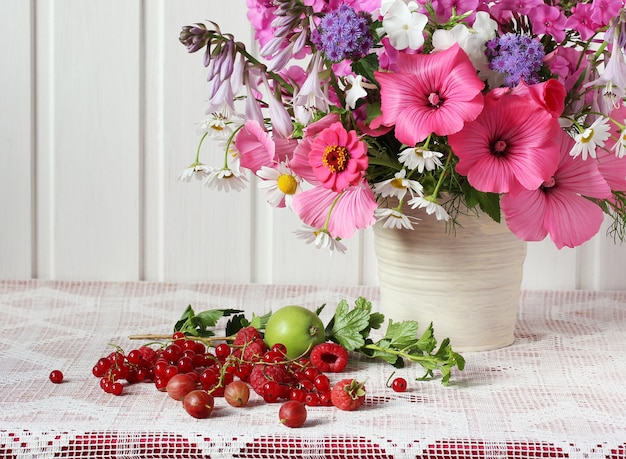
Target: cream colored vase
{"x":466,"y":282}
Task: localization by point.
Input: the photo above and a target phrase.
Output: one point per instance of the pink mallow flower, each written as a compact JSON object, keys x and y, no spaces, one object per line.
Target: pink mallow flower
{"x":559,"y":207}
{"x":430,"y":93}
{"x":509,"y":147}
{"x":341,"y":214}
{"x":338,"y":157}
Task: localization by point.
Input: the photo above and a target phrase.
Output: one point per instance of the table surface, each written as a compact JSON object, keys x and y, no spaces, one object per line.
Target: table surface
{"x":558,"y":391}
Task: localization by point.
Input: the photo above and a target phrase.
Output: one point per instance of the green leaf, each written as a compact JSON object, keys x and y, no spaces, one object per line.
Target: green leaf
{"x":376,"y":320}
{"x":259,"y":322}
{"x":210,"y":317}
{"x":402,"y":335}
{"x":488,"y":202}
{"x":366,"y":67}
{"x":348,"y":324}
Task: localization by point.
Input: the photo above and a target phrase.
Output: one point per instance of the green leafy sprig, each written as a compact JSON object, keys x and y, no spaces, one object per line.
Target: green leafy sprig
{"x":401,"y":342}
{"x":351,"y":328}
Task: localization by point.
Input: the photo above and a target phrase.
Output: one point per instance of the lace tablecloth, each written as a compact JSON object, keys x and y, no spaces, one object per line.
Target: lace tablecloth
{"x":559,"y":391}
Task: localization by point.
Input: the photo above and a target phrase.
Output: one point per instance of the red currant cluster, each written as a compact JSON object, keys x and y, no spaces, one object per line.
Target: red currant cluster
{"x":268,"y":371}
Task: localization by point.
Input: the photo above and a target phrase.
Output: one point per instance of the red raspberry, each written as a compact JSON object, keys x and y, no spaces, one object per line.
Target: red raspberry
{"x":261,"y":374}
{"x":253,"y":352}
{"x":348,"y":394}
{"x":148,"y":354}
{"x":247,"y":335}
{"x":329,"y":357}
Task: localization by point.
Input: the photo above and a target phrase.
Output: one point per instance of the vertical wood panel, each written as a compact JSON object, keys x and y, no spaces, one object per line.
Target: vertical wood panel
{"x":201,"y":234}
{"x":90,"y":131}
{"x":16,"y":140}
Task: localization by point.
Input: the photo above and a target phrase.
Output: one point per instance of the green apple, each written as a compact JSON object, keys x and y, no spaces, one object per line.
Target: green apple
{"x":297,"y":328}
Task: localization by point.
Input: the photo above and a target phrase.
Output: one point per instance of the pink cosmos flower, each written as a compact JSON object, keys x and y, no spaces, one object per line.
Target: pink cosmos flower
{"x":509,"y":147}
{"x":257,"y":148}
{"x":338,"y":158}
{"x":429,"y":93}
{"x":558,"y":207}
{"x":350,"y":210}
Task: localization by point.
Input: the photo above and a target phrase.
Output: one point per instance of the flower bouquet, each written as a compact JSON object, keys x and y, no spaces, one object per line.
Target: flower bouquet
{"x":353,"y":111}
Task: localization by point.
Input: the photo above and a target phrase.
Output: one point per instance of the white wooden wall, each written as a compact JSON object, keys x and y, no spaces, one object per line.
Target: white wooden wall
{"x":98,"y":105}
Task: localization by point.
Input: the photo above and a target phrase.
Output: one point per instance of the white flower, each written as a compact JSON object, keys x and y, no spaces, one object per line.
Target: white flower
{"x":398,"y":186}
{"x":280,"y":183}
{"x":321,"y":238}
{"x":404,"y":25}
{"x":430,"y":206}
{"x":355,"y":90}
{"x":197,"y":170}
{"x":217,"y":126}
{"x":614,"y":77}
{"x":393,"y":218}
{"x":471,"y":41}
{"x":420,"y":159}
{"x":591,"y":138}
{"x":312,"y":96}
{"x":225,"y":179}
{"x":620,"y":143}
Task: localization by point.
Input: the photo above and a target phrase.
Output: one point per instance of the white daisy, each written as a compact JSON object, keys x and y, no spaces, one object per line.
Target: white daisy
{"x":394,"y":219}
{"x":321,"y":238}
{"x":420,"y":159}
{"x":225,"y":179}
{"x":197,"y":170}
{"x":398,"y":186}
{"x":430,"y":206}
{"x":280,"y":183}
{"x":591,"y":138}
{"x":218,"y":126}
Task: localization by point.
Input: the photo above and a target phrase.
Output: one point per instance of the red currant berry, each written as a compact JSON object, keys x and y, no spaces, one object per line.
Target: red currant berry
{"x":325,"y":398}
{"x":170,"y":371}
{"x":399,"y":385}
{"x":178,"y":337}
{"x":297,"y":394}
{"x":56,"y":376}
{"x":184,"y":365}
{"x":222,"y":351}
{"x":117,"y":388}
{"x":311,"y":399}
{"x":172,"y":352}
{"x":243,"y":371}
{"x":322,"y":383}
{"x":135,"y":357}
{"x":208,"y":379}
{"x":279,"y":348}
{"x":307,"y":385}
{"x":310,"y":373}
{"x":97,"y":371}
{"x":160,"y":383}
{"x":271,"y":391}
{"x":103,"y":363}
{"x":199,"y":348}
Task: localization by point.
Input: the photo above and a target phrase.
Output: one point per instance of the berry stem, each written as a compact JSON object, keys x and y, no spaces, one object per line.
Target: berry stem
{"x":156,"y":337}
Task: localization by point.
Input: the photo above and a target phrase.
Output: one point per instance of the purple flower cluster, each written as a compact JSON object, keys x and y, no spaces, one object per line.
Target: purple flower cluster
{"x":343,"y":34}
{"x":519,"y":57}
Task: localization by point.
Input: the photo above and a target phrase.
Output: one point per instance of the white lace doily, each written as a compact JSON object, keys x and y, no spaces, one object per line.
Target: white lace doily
{"x":559,"y":391}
